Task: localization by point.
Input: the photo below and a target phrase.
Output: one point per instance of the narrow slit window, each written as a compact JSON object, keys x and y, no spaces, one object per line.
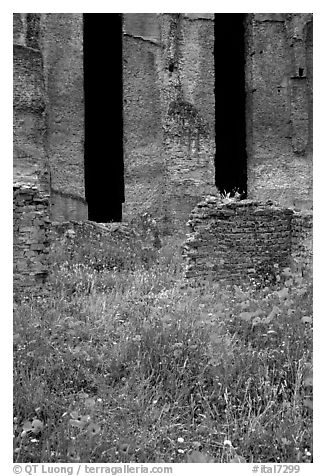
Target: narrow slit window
{"x":230,"y":104}
{"x":104,"y":171}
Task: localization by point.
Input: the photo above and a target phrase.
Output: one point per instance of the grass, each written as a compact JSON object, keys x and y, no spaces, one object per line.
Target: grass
{"x":123,"y":361}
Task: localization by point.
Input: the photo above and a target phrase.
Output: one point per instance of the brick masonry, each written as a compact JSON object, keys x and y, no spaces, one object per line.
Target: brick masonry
{"x":302,"y":239}
{"x":31,"y":237}
{"x":29,"y":101}
{"x":62,"y":51}
{"x":168,"y":87}
{"x":233,"y":241}
{"x":279,"y":107}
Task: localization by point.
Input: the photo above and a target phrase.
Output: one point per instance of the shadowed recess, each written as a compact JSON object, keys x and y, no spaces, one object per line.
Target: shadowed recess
{"x":230,"y":125}
{"x":104,"y":171}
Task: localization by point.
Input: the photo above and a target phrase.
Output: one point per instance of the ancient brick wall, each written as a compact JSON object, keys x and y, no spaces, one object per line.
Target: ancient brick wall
{"x":169,"y":93}
{"x":29,"y":102}
{"x":66,"y":206}
{"x":279,"y":107}
{"x":169,"y":109}
{"x":168,"y":89}
{"x":144,"y":161}
{"x":189,"y":106}
{"x":31,"y":169}
{"x":62,"y":51}
{"x":236,"y":240}
{"x":302,"y":239}
{"x":31,"y":237}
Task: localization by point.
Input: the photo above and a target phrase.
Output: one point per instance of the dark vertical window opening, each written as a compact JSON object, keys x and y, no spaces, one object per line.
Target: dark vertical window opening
{"x":104,"y":174}
{"x":230,"y":120}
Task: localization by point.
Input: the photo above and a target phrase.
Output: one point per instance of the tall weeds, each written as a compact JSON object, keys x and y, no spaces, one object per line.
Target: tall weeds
{"x":124,"y":361}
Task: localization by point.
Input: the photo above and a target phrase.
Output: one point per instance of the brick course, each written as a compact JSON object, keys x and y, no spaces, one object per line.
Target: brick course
{"x":233,"y":241}
{"x":31,"y":237}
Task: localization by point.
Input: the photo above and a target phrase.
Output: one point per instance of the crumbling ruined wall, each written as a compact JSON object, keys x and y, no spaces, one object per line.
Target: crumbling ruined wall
{"x":189,"y":106}
{"x":279,"y":107}
{"x":142,"y":116}
{"x":302,"y":239}
{"x":169,"y":129}
{"x":241,"y":239}
{"x":62,"y":50}
{"x":169,"y":93}
{"x":31,"y":237}
{"x":31,"y":172}
{"x":29,"y":103}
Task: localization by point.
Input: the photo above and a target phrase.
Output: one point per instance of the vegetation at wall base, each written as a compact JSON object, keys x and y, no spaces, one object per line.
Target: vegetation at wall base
{"x":127,"y":362}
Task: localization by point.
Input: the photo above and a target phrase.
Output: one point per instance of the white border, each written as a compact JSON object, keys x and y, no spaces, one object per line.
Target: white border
{"x":319,"y":181}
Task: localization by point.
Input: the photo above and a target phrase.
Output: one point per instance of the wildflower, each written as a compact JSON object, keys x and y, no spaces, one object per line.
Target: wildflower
{"x":77,"y":423}
{"x":306,"y":319}
{"x":285,"y":441}
{"x":180,"y":451}
{"x":287,"y":272}
{"x":80,"y":421}
{"x":227,"y":443}
{"x":74,"y":415}
{"x":124,"y":447}
{"x":256,"y":321}
{"x":177,"y":353}
{"x":83,"y":395}
{"x":180,"y":440}
{"x":246,"y":316}
{"x":37,"y":426}
{"x":93,"y":429}
{"x":70,"y":233}
{"x":73,"y":455}
{"x":90,"y":402}
{"x":283,"y":293}
{"x":274,"y":312}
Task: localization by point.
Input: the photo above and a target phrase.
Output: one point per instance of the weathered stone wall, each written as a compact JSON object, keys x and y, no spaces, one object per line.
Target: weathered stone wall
{"x":31,"y":237}
{"x":189,"y":107}
{"x":31,"y":170}
{"x":68,"y":207}
{"x":169,"y":94}
{"x":236,"y":240}
{"x":169,"y":63}
{"x":29,"y":103}
{"x":142,"y":116}
{"x":302,"y":239}
{"x":279,"y":107}
{"x":62,"y":50}
{"x":169,"y":126}
{"x":169,"y":116}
